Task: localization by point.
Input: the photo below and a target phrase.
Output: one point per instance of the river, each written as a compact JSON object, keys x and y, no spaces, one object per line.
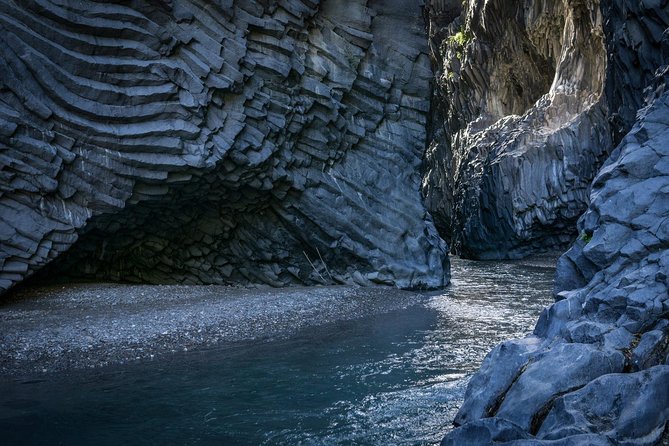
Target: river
{"x":392,"y":378}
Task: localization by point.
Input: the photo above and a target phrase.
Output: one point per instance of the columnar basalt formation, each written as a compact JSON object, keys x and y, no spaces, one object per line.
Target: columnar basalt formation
{"x":595,"y":370}
{"x":215,"y":142}
{"x":520,"y":124}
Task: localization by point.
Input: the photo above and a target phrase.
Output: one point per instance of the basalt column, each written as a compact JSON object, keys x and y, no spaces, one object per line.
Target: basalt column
{"x":215,"y":142}
{"x":520,"y":125}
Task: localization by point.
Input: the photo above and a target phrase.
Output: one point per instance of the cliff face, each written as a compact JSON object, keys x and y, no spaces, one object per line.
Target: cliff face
{"x":520,"y":127}
{"x":215,"y":142}
{"x":595,"y":370}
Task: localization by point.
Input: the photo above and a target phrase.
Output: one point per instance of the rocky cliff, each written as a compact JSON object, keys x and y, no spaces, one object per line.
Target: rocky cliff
{"x":595,"y":370}
{"x":520,"y":125}
{"x":215,"y":142}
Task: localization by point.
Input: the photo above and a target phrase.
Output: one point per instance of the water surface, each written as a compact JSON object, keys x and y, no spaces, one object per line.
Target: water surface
{"x":393,"y":378}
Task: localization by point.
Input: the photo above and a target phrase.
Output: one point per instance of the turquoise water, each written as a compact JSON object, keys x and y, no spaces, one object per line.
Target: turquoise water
{"x":394,"y":378}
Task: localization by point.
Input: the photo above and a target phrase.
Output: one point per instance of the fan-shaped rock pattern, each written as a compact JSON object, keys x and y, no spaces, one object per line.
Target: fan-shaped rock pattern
{"x":215,"y":142}
{"x":520,"y":124}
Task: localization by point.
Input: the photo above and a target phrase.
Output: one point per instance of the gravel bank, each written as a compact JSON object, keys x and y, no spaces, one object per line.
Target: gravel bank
{"x":90,"y":325}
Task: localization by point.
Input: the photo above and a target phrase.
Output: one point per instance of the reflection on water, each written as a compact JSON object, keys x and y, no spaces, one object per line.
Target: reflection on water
{"x":395,"y":378}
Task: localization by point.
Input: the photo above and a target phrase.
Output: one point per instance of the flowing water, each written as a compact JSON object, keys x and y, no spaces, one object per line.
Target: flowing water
{"x":393,"y":378}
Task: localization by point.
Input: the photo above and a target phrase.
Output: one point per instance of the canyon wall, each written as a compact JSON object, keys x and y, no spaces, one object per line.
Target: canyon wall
{"x":520,"y":124}
{"x":215,"y":142}
{"x":595,"y":369}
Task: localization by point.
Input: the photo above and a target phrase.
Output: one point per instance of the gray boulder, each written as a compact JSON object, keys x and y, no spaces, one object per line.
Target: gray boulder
{"x":632,"y":408}
{"x":557,"y":371}
{"x":499,"y":432}
{"x":485,"y":432}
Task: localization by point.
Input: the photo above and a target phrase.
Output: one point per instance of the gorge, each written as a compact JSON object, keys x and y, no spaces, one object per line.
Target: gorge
{"x":356,"y":143}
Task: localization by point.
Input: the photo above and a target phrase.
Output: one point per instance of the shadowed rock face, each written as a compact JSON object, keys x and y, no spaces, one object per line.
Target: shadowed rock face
{"x":595,"y":370}
{"x":520,"y":124}
{"x":215,"y":142}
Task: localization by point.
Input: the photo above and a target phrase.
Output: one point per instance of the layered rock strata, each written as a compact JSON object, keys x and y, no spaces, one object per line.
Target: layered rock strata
{"x":595,"y":370}
{"x":215,"y":142}
{"x":520,"y":124}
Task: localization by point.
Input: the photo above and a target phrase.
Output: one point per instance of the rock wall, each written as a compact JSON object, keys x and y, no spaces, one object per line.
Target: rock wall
{"x":521,"y":123}
{"x":595,"y":370}
{"x":215,"y":142}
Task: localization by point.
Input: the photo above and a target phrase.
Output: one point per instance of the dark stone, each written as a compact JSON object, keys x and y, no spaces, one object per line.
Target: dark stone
{"x":197,"y":143}
{"x":520,"y":125}
{"x":632,"y":408}
{"x":487,"y":431}
{"x":611,"y":286}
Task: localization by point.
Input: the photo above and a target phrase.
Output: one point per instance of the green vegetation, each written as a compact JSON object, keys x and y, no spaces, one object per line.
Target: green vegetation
{"x":586,"y":237}
{"x":460,"y":40}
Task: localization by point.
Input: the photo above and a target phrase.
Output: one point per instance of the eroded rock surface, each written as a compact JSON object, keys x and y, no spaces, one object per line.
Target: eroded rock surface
{"x":215,"y":142}
{"x":520,"y":123}
{"x":595,"y":370}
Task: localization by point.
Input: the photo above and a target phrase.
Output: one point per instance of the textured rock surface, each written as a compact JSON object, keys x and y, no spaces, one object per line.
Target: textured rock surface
{"x":558,"y":384}
{"x":595,"y":370}
{"x":215,"y":142}
{"x":520,"y":124}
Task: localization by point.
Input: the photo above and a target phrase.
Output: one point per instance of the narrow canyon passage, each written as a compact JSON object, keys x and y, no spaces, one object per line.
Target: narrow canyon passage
{"x":395,"y":375}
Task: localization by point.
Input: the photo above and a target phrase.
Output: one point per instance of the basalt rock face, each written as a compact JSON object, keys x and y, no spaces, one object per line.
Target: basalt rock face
{"x":635,"y":36}
{"x":215,"y":142}
{"x":595,"y":370}
{"x":521,"y":123}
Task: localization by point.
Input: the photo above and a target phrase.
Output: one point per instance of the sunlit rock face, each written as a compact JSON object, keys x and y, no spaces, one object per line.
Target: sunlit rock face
{"x":594,"y":371}
{"x":215,"y":142}
{"x":520,"y":122}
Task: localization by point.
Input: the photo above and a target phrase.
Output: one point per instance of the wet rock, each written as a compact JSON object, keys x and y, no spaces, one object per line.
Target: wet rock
{"x":187,"y":142}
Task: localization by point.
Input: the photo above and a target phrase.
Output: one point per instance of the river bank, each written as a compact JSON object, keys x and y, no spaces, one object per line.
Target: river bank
{"x":395,"y":370}
{"x":90,"y":325}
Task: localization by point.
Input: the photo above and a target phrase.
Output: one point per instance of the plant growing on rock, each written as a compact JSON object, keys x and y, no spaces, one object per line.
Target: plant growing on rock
{"x":586,"y":237}
{"x":459,"y":42}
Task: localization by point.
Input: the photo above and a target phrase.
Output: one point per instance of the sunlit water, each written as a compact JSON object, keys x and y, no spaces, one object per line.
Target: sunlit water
{"x":395,"y":378}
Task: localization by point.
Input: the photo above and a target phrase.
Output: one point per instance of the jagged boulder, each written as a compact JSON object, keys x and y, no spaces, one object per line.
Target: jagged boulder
{"x":215,"y":142}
